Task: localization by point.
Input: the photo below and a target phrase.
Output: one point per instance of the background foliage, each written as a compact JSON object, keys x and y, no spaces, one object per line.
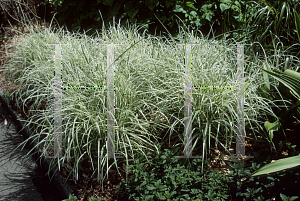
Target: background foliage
{"x":262,"y":21}
{"x":143,"y":12}
{"x":268,"y":22}
{"x":196,"y":14}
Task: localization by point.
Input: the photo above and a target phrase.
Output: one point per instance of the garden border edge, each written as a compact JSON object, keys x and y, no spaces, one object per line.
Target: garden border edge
{"x":63,"y":187}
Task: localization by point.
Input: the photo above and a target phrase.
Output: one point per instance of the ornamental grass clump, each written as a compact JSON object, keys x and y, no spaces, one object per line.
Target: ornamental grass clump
{"x":149,"y":93}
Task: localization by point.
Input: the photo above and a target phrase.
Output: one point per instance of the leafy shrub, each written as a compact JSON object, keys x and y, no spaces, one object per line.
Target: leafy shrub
{"x":226,"y":15}
{"x":263,"y":21}
{"x":167,"y":178}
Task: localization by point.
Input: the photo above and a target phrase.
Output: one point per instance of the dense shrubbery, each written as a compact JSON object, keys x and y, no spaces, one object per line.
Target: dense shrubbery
{"x":261,"y":21}
{"x":268,"y":22}
{"x":226,"y":15}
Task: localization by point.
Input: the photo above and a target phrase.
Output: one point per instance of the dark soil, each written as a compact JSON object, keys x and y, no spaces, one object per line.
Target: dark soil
{"x":46,"y":188}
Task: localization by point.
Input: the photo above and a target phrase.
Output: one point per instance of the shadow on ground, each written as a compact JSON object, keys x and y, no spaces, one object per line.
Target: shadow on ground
{"x":20,"y":179}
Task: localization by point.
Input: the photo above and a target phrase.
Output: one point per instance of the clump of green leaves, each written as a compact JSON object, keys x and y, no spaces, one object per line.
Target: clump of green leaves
{"x":74,"y":198}
{"x":71,"y":198}
{"x":165,"y":177}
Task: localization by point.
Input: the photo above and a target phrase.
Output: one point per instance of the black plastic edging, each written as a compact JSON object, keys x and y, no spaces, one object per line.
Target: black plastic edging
{"x":63,"y":188}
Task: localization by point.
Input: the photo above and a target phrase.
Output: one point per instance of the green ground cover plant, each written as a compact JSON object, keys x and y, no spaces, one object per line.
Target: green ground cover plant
{"x":149,"y":93}
{"x":167,"y":178}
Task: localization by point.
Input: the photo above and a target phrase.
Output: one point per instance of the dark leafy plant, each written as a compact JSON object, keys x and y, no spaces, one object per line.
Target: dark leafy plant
{"x":275,"y":19}
{"x":287,"y":93}
{"x":282,"y":96}
{"x":228,"y":15}
{"x":286,"y":198}
{"x":75,"y":14}
{"x":71,"y":198}
{"x":74,"y":198}
{"x":261,"y":21}
{"x":286,"y":145}
{"x":290,"y":79}
{"x":166,"y":178}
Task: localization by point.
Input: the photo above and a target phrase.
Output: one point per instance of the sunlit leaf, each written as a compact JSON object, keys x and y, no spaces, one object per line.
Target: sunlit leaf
{"x":279,"y":165}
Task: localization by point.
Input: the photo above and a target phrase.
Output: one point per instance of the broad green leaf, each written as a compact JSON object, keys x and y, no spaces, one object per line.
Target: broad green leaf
{"x":288,"y":81}
{"x":283,"y":89}
{"x":238,"y":4}
{"x":207,"y":13}
{"x":206,"y":7}
{"x":279,"y":165}
{"x":239,"y":17}
{"x":272,"y":126}
{"x":224,"y":7}
{"x":178,"y":8}
{"x":286,"y":198}
{"x":226,"y":1}
{"x":293,"y":84}
{"x":193,"y":13}
{"x":190,"y":4}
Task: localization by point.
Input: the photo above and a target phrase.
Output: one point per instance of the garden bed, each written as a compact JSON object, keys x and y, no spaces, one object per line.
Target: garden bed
{"x":86,"y":184}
